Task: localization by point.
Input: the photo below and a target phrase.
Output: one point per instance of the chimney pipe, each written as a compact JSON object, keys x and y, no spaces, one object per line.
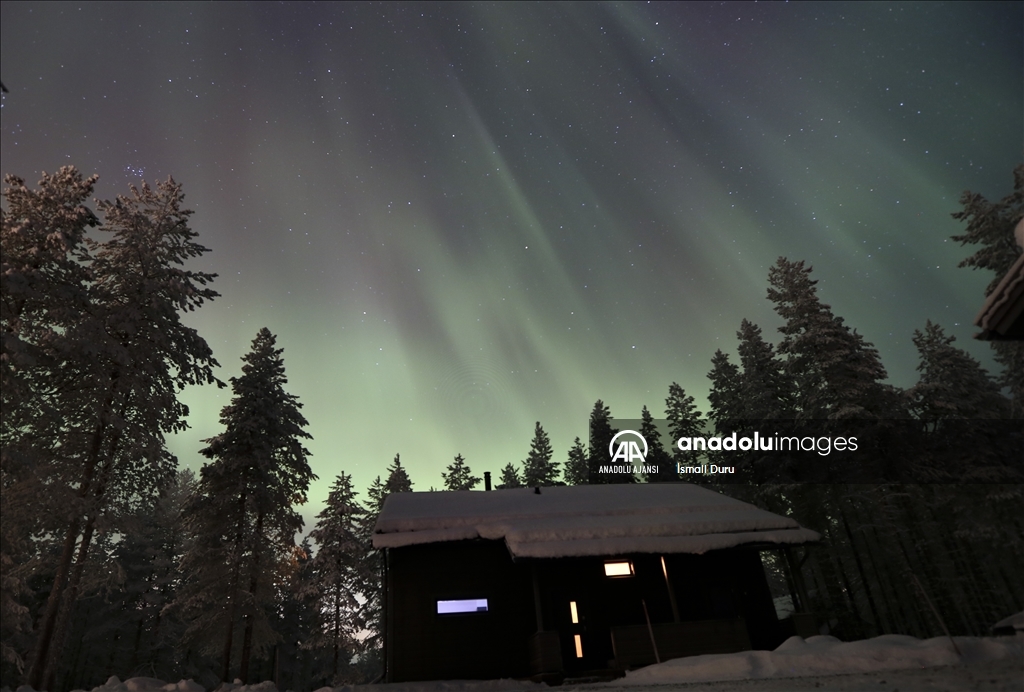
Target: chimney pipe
{"x":487,"y":480}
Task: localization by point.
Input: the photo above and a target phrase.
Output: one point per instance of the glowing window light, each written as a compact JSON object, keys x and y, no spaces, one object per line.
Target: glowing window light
{"x":579,"y":646}
{"x":465,"y":605}
{"x":575,"y":615}
{"x":618,"y":569}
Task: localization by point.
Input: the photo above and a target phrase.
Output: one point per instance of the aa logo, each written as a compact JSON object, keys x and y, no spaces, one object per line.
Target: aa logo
{"x":628,"y":451}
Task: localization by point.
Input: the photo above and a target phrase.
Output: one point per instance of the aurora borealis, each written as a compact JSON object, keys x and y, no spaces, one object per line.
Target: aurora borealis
{"x":459,"y":219}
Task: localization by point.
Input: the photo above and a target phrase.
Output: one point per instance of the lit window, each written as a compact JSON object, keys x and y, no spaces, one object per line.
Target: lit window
{"x":579,"y":646}
{"x":575,"y":615}
{"x":465,"y":605}
{"x":618,"y":569}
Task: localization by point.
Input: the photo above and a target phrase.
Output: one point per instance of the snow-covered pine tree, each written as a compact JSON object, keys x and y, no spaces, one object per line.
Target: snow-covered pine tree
{"x":836,"y":374}
{"x":974,"y":518}
{"x":656,"y":454}
{"x":459,"y":475}
{"x":44,"y":282}
{"x":510,"y":477}
{"x":242,"y":519}
{"x":577,"y":465}
{"x":952,"y":384}
{"x":120,"y":623}
{"x":991,"y":225}
{"x":45,"y":287}
{"x":837,"y":383}
{"x":124,"y":355}
{"x":538,"y":468}
{"x":963,"y":411}
{"x":765,"y":390}
{"x":335,"y":578}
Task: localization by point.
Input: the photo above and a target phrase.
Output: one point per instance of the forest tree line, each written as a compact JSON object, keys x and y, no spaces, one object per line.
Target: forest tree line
{"x":115,"y":561}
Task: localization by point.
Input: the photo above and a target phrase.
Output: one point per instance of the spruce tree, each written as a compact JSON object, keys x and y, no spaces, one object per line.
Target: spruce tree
{"x":243,"y":518}
{"x":952,"y":383}
{"x":398,"y":479}
{"x":510,"y":477}
{"x":375,"y":496}
{"x":724,"y":397}
{"x":335,"y":578}
{"x":684,"y":420}
{"x":765,"y":390}
{"x":538,"y":468}
{"x":835,"y":372}
{"x":601,"y":434}
{"x":963,"y":412}
{"x":577,"y":465}
{"x":656,"y":454}
{"x":459,"y":476}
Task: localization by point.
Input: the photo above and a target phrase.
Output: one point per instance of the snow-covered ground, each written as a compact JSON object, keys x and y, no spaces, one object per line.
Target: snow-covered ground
{"x":824,"y":655}
{"x":892,"y":663}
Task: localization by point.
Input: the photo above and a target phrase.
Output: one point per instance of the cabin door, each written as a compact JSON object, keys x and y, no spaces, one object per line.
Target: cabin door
{"x":584,"y":636}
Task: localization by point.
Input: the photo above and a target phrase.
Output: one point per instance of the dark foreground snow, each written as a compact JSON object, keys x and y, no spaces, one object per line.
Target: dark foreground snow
{"x":891,"y":663}
{"x":825,"y":656}
{"x":998,"y":676}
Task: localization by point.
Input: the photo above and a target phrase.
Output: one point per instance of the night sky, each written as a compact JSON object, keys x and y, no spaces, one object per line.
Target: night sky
{"x":463,"y":218}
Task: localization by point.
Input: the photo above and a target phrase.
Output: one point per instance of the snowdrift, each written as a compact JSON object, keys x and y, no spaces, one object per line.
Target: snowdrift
{"x":795,"y":658}
{"x":824,"y":655}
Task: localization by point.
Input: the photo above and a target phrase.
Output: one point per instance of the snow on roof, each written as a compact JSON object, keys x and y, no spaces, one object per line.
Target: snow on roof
{"x":582,"y":520}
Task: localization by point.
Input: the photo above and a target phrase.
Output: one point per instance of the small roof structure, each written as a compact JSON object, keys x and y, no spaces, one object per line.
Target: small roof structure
{"x":587,"y":520}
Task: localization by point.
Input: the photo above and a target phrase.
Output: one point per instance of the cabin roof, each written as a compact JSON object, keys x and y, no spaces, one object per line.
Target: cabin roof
{"x":1002,"y":315}
{"x":566,"y":521}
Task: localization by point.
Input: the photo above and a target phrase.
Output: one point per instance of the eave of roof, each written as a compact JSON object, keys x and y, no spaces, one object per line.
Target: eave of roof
{"x":1002,"y":314}
{"x":586,"y":520}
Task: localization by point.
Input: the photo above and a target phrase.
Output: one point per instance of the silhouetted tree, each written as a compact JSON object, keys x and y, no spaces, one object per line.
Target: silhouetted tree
{"x":398,"y":479}
{"x":335,"y":578}
{"x":577,"y":465}
{"x":656,"y":454}
{"x":601,"y":434}
{"x":684,"y":420}
{"x":724,"y":397}
{"x":765,"y":389}
{"x":836,"y":373}
{"x":538,"y":468}
{"x":95,"y":354}
{"x":459,"y":476}
{"x":510,"y":477}
{"x":243,"y":518}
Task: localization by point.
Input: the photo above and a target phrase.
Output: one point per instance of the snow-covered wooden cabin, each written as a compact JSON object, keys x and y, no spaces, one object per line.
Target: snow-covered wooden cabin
{"x":565,"y":580}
